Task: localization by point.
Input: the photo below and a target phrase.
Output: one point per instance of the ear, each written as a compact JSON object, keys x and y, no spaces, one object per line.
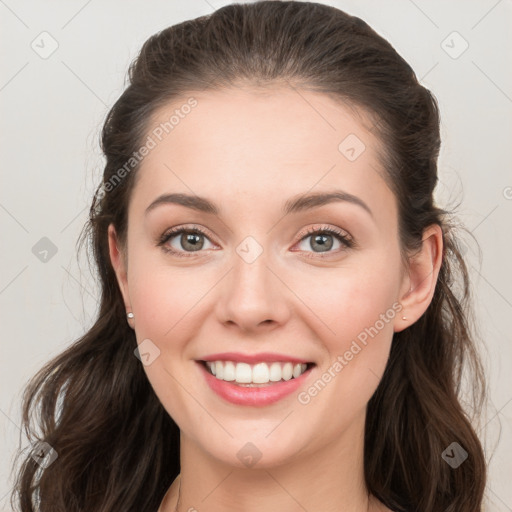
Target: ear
{"x":419,"y":282}
{"x":118,"y":260}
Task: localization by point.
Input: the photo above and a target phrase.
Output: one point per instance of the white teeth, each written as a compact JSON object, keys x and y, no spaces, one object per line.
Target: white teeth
{"x":260,"y":373}
{"x":219,"y":370}
{"x":211,"y":367}
{"x":287,"y":371}
{"x":275,"y":372}
{"x":243,"y":373}
{"x":229,"y":371}
{"x":297,"y":370}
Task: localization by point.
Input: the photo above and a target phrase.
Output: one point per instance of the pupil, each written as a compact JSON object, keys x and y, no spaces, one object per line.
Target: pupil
{"x":321,"y":239}
{"x":192,"y":239}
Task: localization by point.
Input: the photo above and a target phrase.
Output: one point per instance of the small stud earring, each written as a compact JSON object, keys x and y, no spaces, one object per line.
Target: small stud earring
{"x":404,"y":318}
{"x":129,"y":315}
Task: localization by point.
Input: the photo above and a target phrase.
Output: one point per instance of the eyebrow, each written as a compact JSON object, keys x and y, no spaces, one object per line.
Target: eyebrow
{"x":293,"y":205}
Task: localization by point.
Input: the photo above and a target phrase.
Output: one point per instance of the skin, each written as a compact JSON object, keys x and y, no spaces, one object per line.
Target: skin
{"x":249,"y":150}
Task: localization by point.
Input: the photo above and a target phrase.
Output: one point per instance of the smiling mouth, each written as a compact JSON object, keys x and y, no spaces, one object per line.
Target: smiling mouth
{"x":256,"y":375}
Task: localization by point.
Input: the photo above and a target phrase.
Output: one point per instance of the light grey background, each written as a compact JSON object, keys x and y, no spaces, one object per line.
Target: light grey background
{"x":52,"y":111}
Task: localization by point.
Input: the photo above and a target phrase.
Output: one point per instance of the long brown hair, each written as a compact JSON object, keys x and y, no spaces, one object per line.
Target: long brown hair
{"x":118,"y":449}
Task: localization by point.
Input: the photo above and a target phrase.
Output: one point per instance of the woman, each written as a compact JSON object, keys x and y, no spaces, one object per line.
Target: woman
{"x":279,"y":325}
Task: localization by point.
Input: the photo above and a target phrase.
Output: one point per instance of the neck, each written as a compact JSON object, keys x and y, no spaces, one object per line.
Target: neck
{"x":328,"y":480}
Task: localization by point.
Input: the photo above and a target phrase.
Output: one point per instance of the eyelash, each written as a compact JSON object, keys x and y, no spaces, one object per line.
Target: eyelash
{"x":343,"y":237}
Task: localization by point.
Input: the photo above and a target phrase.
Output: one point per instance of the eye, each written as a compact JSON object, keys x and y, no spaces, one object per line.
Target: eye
{"x":324,"y":239}
{"x":190,"y":240}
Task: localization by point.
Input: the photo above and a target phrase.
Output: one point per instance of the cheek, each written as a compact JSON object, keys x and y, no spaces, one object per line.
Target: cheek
{"x":356,"y":356}
{"x":162,"y":298}
{"x":357,"y":306}
{"x":352,"y":298}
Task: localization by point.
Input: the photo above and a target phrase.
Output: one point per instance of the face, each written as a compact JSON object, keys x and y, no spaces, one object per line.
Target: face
{"x":320,"y":283}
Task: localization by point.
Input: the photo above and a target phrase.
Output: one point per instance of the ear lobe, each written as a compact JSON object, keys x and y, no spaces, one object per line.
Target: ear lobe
{"x":118,"y":263}
{"x":421,"y":278}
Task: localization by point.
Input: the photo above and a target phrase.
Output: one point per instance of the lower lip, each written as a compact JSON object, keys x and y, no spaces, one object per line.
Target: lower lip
{"x":256,"y":396}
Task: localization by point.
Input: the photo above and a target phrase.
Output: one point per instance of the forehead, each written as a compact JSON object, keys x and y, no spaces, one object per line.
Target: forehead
{"x":252,"y":145}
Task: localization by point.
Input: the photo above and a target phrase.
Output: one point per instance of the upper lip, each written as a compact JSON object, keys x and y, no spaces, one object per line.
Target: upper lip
{"x":253,"y":358}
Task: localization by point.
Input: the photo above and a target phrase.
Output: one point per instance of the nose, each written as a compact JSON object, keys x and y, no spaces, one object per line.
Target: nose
{"x":253,"y":296}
